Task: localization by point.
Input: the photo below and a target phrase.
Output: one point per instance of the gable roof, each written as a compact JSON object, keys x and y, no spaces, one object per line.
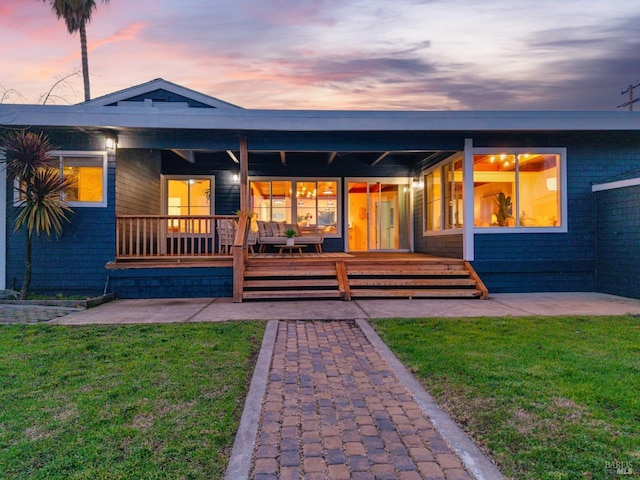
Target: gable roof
{"x":159,"y":91}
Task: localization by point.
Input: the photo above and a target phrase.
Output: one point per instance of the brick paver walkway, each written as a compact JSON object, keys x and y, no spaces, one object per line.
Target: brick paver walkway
{"x":334,"y":410}
{"x":11,"y":313}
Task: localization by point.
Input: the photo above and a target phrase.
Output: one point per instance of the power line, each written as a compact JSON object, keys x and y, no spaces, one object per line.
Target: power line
{"x":631,"y":100}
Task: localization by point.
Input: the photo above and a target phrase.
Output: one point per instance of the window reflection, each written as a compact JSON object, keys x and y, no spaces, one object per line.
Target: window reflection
{"x":516,"y":190}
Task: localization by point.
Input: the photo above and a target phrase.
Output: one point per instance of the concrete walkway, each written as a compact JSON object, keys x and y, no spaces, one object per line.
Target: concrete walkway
{"x":223,"y":309}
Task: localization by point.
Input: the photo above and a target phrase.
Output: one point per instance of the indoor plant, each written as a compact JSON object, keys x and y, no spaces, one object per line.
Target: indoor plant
{"x":290,"y":233}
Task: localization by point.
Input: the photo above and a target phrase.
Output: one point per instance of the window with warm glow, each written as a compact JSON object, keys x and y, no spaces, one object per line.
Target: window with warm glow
{"x":309,"y":203}
{"x":88,"y":172}
{"x":189,"y":197}
{"x":88,"y":179}
{"x":443,"y":197}
{"x":512,"y":190}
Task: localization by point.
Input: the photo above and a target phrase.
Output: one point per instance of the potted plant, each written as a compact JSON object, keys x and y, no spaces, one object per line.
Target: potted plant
{"x":290,"y":233}
{"x":504,"y":208}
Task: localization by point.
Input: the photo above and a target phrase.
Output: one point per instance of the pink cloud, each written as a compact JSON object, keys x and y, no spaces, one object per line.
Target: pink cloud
{"x":130,"y":32}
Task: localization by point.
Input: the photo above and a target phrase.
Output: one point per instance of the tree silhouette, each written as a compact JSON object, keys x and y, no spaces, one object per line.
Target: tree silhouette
{"x":77,"y":14}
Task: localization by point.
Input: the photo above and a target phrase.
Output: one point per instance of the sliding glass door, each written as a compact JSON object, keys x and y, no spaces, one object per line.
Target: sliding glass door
{"x":378,"y":215}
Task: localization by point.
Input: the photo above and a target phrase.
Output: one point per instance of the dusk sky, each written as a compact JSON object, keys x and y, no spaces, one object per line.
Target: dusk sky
{"x":337,"y":54}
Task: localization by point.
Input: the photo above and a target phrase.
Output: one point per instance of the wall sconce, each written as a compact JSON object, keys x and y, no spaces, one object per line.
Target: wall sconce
{"x":235,"y":178}
{"x":110,"y":142}
{"x":418,"y":184}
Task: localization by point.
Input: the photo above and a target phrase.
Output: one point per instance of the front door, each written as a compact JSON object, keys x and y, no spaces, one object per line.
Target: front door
{"x":378,"y":215}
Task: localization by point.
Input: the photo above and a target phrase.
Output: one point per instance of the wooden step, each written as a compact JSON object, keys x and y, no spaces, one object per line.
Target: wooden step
{"x":298,"y":278}
{"x":291,"y":283}
{"x":406,"y":272}
{"x":415,"y":293}
{"x":282,"y":294}
{"x":409,"y":282}
{"x":259,"y":272}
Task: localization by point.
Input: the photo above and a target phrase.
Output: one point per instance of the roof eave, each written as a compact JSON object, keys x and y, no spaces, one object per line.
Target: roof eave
{"x":318,"y":120}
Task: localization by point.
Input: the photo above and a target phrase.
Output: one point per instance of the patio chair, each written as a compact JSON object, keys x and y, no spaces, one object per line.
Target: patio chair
{"x":226,"y":231}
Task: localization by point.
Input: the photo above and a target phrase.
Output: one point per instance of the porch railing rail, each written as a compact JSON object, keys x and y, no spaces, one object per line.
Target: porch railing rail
{"x":141,"y":237}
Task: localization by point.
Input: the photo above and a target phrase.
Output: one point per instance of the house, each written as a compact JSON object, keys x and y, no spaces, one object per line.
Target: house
{"x":533,"y":200}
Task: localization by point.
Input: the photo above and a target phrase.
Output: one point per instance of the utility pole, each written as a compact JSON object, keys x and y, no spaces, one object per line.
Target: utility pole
{"x":631,"y":100}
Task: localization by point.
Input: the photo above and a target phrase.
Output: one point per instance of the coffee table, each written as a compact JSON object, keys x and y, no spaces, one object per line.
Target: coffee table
{"x":291,"y":248}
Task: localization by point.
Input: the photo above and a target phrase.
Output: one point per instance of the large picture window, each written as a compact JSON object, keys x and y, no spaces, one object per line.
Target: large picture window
{"x":443,"y":205}
{"x":309,"y":202}
{"x":512,"y":190}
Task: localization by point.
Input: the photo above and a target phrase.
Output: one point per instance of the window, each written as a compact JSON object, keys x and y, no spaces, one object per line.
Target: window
{"x":443,"y":197}
{"x":88,"y":179}
{"x":189,"y":196}
{"x":512,"y":190}
{"x":309,"y":203}
{"x":88,"y":170}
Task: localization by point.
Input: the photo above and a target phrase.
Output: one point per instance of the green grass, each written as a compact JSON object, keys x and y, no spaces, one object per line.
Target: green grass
{"x":545,"y":398}
{"x":128,"y":402}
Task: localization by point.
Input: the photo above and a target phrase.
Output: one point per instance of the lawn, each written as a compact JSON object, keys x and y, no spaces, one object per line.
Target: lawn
{"x":126,"y":402}
{"x":545,"y":398}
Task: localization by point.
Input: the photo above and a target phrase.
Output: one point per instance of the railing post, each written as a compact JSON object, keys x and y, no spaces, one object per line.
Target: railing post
{"x":239,"y":257}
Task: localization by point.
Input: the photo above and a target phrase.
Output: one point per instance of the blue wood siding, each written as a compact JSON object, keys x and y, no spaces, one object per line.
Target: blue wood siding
{"x":563,"y":261}
{"x":172,"y":282}
{"x":618,"y":241}
{"x":138,"y":189}
{"x":73,"y":263}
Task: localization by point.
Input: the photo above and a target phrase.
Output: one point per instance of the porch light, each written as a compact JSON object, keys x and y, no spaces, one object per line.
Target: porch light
{"x":418,"y":184}
{"x":236,"y":178}
{"x":110,"y":143}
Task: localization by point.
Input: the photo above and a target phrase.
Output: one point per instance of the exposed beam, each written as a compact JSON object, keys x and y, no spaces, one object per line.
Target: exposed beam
{"x":379,"y":159}
{"x":188,"y":155}
{"x":332,"y":157}
{"x":233,"y":156}
{"x":283,"y":158}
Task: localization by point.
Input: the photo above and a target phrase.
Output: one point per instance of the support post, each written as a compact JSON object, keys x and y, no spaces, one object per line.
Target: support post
{"x":467,"y":196}
{"x":244,"y":176}
{"x":239,"y":251}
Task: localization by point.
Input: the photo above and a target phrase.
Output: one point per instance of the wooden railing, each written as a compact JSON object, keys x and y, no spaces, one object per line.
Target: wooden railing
{"x":141,"y":237}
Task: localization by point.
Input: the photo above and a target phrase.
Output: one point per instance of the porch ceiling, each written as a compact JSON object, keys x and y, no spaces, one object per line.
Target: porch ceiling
{"x":414,"y":159}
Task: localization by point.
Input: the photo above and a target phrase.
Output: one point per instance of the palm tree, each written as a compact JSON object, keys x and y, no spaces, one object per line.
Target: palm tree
{"x":36,"y":179}
{"x":77,"y":14}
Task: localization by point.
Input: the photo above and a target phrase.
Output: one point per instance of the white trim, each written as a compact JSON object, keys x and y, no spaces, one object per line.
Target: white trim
{"x":153,"y":85}
{"x":60,"y":154}
{"x":451,"y":159}
{"x":468,"y":240}
{"x":3,"y":225}
{"x":564,"y":226}
{"x":632,"y":182}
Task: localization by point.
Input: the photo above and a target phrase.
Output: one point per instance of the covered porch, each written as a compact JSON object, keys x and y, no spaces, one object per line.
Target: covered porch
{"x":286,"y":275}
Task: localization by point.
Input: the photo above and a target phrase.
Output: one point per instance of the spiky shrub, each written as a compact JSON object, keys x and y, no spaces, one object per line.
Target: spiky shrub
{"x":36,"y":178}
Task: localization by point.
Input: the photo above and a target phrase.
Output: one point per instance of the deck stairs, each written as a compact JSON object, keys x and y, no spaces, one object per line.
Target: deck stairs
{"x":348,"y":279}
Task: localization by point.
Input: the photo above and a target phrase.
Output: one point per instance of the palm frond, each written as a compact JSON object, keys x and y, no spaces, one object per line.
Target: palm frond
{"x":26,"y":153}
{"x":43,"y":210}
